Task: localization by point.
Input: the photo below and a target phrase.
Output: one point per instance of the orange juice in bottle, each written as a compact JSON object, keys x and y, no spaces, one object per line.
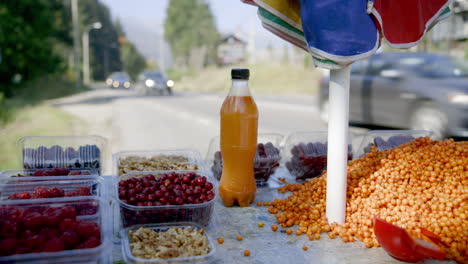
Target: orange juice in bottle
{"x":239,"y":122}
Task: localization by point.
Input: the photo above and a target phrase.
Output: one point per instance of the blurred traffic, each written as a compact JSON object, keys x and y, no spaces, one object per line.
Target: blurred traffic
{"x":118,"y":80}
{"x":154,"y":82}
{"x":408,"y":90}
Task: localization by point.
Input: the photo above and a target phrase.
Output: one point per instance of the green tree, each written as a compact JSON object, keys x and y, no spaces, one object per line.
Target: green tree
{"x":30,"y":33}
{"x":133,"y":62}
{"x":190,"y":25}
{"x":104,"y":45}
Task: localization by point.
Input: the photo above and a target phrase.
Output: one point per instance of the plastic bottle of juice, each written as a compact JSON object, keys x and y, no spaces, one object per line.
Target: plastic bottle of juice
{"x":239,"y":122}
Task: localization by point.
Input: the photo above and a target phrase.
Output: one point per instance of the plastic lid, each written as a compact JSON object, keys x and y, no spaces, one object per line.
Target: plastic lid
{"x":240,"y":74}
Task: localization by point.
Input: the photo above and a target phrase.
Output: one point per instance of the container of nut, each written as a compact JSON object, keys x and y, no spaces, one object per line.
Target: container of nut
{"x":267,"y":158}
{"x":167,"y":243}
{"x":165,"y":196}
{"x":53,"y":231}
{"x":387,"y":139}
{"x":62,"y":152}
{"x":306,"y":154}
{"x":156,"y":160}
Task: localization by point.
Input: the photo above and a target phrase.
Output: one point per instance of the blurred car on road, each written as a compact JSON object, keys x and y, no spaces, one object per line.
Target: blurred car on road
{"x":154,"y":82}
{"x":119,"y":80}
{"x":408,"y":90}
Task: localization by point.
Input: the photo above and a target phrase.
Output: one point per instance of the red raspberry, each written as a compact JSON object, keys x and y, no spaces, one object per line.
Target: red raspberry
{"x":56,"y":192}
{"x":68,"y":212}
{"x":60,"y":172}
{"x":10,"y":228}
{"x":27,"y":233}
{"x":8,"y":246}
{"x":20,"y":196}
{"x":67,"y":224}
{"x":39,"y":173}
{"x":22,"y":249}
{"x":49,"y":173}
{"x":33,"y":221}
{"x":40,"y":192}
{"x":87,"y":229}
{"x":16,"y":214}
{"x":70,"y":239}
{"x":71,"y":194}
{"x":52,"y":216}
{"x":88,"y":209}
{"x":54,"y":244}
{"x":35,"y":241}
{"x":64,"y":172}
{"x":83,"y":191}
{"x":50,"y":232}
{"x":91,"y":242}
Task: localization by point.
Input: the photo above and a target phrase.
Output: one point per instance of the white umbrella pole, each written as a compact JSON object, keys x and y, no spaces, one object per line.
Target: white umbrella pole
{"x":337,"y":144}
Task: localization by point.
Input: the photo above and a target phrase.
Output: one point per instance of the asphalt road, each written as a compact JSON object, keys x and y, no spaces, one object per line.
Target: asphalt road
{"x":184,"y":120}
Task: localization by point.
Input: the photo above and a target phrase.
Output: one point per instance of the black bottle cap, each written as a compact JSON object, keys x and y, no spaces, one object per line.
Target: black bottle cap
{"x":240,"y":74}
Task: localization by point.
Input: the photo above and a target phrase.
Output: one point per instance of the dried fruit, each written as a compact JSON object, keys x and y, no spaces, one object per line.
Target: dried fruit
{"x":87,"y":156}
{"x":266,"y":162}
{"x":309,"y":160}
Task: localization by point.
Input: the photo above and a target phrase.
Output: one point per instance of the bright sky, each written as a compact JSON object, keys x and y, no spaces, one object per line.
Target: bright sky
{"x":230,"y":15}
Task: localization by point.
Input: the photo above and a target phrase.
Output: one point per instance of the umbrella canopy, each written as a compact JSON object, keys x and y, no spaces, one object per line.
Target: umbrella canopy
{"x":337,"y":33}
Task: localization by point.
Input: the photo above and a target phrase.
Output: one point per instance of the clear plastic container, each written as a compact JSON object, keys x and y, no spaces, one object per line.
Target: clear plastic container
{"x":69,"y":187}
{"x":267,"y":158}
{"x":306,"y":153}
{"x":130,"y":258}
{"x":73,"y":152}
{"x":133,"y":215}
{"x":20,"y":175}
{"x":387,"y":139}
{"x":89,"y":255}
{"x":186,"y":159}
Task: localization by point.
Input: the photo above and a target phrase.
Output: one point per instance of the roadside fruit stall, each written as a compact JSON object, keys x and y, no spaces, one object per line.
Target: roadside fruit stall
{"x":255,"y":198}
{"x":414,"y":185}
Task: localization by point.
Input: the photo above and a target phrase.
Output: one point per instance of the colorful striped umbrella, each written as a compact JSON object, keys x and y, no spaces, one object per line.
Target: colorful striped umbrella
{"x":337,"y":33}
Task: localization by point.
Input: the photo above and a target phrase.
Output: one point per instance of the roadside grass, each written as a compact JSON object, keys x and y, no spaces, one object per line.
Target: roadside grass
{"x":264,"y":79}
{"x":26,"y":114}
{"x":39,"y":120}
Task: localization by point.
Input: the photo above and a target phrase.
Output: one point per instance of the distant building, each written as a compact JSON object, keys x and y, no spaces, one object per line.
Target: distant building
{"x":231,"y":50}
{"x":454,"y":27}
